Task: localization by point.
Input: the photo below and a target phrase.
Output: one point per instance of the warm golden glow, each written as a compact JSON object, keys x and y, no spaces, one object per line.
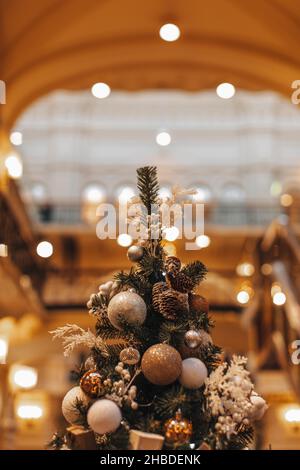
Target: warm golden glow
{"x":286,"y":200}
{"x":243,"y":297}
{"x":245,"y":269}
{"x":203,"y":241}
{"x":225,"y":91}
{"x":3,"y":349}
{"x":14,"y":166}
{"x":169,"y":32}
{"x":44,"y":249}
{"x":279,"y":298}
{"x":23,"y":377}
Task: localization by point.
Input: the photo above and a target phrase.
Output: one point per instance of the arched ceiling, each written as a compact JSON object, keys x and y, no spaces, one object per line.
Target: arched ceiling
{"x":54,"y":44}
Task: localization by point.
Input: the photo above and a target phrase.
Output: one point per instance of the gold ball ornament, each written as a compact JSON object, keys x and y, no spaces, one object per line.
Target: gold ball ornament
{"x":69,"y":409}
{"x":161,"y":364}
{"x":178,"y":430}
{"x":127,"y":306}
{"x":135,"y":253}
{"x":91,"y":383}
{"x":130,"y":356}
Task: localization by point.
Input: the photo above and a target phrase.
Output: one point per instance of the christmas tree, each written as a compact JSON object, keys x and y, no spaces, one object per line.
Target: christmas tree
{"x":153,"y":378}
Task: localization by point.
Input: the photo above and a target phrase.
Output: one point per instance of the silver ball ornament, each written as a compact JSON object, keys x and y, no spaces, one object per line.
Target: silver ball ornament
{"x":126,"y":306}
{"x":135,"y":253}
{"x":69,"y":409}
{"x":104,"y":416}
{"x":193,"y":374}
{"x":192,"y":339}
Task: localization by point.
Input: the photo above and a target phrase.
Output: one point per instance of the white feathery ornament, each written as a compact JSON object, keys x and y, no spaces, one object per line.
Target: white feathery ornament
{"x":230,"y":396}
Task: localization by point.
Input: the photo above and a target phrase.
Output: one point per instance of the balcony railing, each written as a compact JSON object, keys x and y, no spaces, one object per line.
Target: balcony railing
{"x":223,"y":214}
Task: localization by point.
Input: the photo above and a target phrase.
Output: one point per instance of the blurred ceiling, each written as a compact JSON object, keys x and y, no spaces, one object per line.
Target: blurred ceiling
{"x":72,"y":44}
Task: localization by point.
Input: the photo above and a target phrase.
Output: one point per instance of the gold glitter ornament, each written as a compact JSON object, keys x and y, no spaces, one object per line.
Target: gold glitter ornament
{"x":91,"y":383}
{"x":130,"y":356}
{"x":161,"y":364}
{"x":178,"y":430}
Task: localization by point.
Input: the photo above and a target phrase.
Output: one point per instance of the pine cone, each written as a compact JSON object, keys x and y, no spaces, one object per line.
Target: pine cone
{"x":172,"y":264}
{"x":157,"y":289}
{"x":173,"y":303}
{"x":180,"y":282}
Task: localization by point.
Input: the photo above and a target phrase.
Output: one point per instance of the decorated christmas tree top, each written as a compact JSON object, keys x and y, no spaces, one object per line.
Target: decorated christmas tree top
{"x":153,"y":377}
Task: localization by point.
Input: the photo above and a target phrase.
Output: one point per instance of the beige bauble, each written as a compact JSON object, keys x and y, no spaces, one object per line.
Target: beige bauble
{"x":161,"y":364}
{"x":68,"y":407}
{"x":194,"y":373}
{"x":104,"y":416}
{"x":127,"y":306}
{"x":260,"y":407}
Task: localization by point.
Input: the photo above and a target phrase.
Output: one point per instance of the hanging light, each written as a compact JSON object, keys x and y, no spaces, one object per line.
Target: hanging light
{"x":279,"y":298}
{"x":30,"y":412}
{"x":23,"y":377}
{"x":3,"y":349}
{"x":44,"y":249}
{"x":124,"y":239}
{"x":225,"y":90}
{"x":171,"y":233}
{"x":125,"y":194}
{"x":163,"y":138}
{"x":100,"y":90}
{"x":16,"y":138}
{"x":286,"y":200}
{"x":203,"y":241}
{"x":169,"y":32}
{"x":243,"y":297}
{"x":14,"y":166}
{"x":245,"y":269}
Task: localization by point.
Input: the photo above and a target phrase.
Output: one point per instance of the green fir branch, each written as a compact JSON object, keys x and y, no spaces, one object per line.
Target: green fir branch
{"x":195,"y":271}
{"x":148,"y":186}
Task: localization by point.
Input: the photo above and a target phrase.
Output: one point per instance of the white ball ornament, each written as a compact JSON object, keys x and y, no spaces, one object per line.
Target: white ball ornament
{"x":69,"y":410}
{"x":127,"y":306}
{"x":104,"y":416}
{"x":193,"y":374}
{"x":260,"y":407}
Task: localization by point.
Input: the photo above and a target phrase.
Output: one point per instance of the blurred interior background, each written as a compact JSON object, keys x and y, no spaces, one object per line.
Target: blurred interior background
{"x":91,"y":90}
